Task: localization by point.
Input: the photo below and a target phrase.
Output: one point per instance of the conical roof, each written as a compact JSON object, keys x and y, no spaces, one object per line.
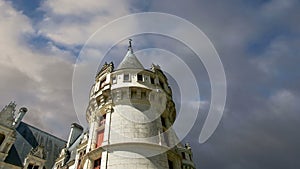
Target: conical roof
{"x":130,"y":61}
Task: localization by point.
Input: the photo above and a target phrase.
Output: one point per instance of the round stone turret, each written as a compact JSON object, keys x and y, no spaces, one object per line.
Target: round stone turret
{"x":129,"y":112}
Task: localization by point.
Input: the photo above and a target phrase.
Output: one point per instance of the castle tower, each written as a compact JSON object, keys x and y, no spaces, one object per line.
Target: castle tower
{"x":130,"y":115}
{"x":9,"y":120}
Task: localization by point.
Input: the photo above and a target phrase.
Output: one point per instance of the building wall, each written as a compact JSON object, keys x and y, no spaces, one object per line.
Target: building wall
{"x":21,"y":140}
{"x":116,"y":161}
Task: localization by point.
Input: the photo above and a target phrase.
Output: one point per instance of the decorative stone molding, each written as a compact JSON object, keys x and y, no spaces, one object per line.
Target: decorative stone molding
{"x":36,"y":157}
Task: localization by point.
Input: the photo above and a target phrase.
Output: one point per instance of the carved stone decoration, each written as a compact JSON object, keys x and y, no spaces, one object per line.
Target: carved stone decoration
{"x":36,"y":157}
{"x":38,"y":152}
{"x":7,"y":115}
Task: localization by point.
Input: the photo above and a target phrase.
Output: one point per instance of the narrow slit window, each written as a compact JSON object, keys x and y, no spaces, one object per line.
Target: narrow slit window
{"x":163,"y":122}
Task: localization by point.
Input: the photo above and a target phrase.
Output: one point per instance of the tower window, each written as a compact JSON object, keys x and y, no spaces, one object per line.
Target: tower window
{"x":146,"y":78}
{"x":97,"y":85}
{"x":140,"y":77}
{"x":152,"y":80}
{"x":126,"y":78}
{"x":114,"y":79}
{"x":30,"y":166}
{"x":102,"y":82}
{"x":133,"y":94}
{"x":161,"y":84}
{"x":79,"y":163}
{"x":183,"y":155}
{"x":97,"y":163}
{"x":100,"y":136}
{"x":170,"y":164}
{"x":143,"y":95}
{"x":2,"y":137}
{"x":163,"y":122}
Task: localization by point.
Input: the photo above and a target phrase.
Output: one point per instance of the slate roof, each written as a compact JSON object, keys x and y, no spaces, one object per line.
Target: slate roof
{"x":28,"y":137}
{"x":130,"y":61}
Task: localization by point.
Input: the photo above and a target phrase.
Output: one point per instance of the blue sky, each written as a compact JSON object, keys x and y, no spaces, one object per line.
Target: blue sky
{"x":257,"y":41}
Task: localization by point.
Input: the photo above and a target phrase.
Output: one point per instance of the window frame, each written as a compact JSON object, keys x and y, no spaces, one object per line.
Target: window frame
{"x":2,"y":138}
{"x":114,"y":79}
{"x":140,"y":76}
{"x":125,"y":79}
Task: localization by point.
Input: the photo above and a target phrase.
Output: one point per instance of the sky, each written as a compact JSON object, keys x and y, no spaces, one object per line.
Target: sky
{"x":257,"y":42}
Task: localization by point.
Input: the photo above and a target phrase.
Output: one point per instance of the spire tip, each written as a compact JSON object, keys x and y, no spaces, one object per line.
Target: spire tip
{"x":130,"y":45}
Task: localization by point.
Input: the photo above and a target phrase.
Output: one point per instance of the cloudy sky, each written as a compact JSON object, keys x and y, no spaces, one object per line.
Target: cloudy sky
{"x":257,"y":41}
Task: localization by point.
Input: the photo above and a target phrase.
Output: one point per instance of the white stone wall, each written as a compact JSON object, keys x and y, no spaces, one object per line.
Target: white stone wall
{"x":119,"y":162}
{"x":123,"y":129}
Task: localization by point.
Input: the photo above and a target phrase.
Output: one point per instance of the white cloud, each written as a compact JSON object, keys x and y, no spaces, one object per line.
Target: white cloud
{"x":37,"y":79}
{"x":77,"y":8}
{"x":72,"y":23}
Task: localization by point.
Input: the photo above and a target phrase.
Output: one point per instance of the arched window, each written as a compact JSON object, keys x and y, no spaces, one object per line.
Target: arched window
{"x":2,"y":137}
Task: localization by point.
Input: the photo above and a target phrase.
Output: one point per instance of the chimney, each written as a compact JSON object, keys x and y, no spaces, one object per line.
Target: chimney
{"x":20,"y":116}
{"x":76,"y":131}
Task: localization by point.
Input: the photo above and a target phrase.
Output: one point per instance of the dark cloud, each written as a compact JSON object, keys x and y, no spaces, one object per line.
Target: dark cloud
{"x":258,"y":43}
{"x":259,"y":126}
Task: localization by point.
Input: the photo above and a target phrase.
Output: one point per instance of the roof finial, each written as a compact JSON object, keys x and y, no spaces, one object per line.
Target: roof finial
{"x":130,"y":46}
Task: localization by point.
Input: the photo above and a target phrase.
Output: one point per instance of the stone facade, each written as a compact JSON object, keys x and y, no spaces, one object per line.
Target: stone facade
{"x":130,"y":116}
